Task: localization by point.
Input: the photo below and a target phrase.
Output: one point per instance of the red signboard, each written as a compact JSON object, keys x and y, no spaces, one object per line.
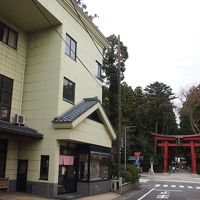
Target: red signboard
{"x":137,"y":153}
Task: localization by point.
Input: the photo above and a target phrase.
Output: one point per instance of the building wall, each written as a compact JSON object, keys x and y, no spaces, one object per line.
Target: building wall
{"x":12,"y":158}
{"x":87,"y":85}
{"x":12,"y":65}
{"x":38,"y":67}
{"x":87,"y":131}
{"x":46,"y":67}
{"x":40,"y":99}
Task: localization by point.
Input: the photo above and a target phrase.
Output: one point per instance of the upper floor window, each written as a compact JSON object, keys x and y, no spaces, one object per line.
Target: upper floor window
{"x":8,"y":35}
{"x":6,"y":87}
{"x":68,"y":90}
{"x":98,"y":70}
{"x":70,"y":48}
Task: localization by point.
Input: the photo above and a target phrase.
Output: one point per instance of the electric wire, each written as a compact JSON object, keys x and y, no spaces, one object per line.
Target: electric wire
{"x":86,"y":27}
{"x":53,"y":27}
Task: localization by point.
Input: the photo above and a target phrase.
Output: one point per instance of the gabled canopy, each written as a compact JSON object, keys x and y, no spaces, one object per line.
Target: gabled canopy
{"x":75,"y":115}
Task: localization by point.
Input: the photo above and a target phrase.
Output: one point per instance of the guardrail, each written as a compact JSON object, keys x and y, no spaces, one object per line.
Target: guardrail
{"x":118,"y":186}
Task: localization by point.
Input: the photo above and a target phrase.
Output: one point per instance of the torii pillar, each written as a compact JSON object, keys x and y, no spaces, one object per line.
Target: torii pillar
{"x":166,"y":157}
{"x":193,"y":156}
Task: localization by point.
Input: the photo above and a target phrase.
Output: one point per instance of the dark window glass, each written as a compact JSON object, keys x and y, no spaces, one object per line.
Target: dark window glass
{"x":69,"y":149}
{"x":68,"y":90}
{"x":3,"y":154}
{"x":44,"y":167}
{"x":8,"y":35}
{"x":1,"y":31}
{"x":70,"y":48}
{"x":6,"y":87}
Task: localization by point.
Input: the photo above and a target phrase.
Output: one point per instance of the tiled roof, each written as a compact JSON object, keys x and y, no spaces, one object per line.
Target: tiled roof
{"x":76,"y":111}
{"x":13,"y":129}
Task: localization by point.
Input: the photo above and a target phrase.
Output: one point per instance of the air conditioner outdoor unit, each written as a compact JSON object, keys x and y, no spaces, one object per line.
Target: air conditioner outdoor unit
{"x":19,"y":119}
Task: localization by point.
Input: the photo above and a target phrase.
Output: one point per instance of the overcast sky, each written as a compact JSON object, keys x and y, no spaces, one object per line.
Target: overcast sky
{"x":162,"y":36}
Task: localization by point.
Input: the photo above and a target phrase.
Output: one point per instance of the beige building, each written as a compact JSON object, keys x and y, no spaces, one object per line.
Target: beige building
{"x":55,"y":137}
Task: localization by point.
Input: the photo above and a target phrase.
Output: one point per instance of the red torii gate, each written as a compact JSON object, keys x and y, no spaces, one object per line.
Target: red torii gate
{"x":178,"y":140}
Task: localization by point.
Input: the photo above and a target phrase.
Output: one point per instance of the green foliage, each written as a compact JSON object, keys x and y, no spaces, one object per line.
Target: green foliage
{"x":160,"y":109}
{"x":190,"y":111}
{"x":126,"y":176}
{"x":131,"y":174}
{"x":83,"y":7}
{"x":114,"y":170}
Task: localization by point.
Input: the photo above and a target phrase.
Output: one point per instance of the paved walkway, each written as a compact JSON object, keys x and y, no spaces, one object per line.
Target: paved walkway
{"x":25,"y":196}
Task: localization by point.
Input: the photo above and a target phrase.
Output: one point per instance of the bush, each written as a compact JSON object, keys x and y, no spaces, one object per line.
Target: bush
{"x":131,"y":174}
{"x":126,"y":176}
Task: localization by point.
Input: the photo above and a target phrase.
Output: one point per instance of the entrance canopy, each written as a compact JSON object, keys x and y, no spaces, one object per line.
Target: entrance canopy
{"x":167,"y":141}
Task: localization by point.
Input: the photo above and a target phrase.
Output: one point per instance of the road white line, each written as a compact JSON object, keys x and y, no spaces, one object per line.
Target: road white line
{"x":157,"y":185}
{"x":165,"y":185}
{"x":146,"y":193}
{"x":198,"y":188}
{"x":160,"y":190}
{"x":181,"y":186}
{"x":190,"y":187}
{"x":142,"y":180}
{"x":173,"y":186}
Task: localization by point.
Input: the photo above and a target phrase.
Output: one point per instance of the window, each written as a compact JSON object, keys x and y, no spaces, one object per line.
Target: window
{"x":70,"y":48}
{"x":44,"y":167}
{"x":8,"y":36}
{"x":99,"y":167}
{"x":6,"y":86}
{"x":99,"y":163}
{"x":98,"y":70}
{"x":68,"y":91}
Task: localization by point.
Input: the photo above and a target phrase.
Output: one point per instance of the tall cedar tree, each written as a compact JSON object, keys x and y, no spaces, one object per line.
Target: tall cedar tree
{"x":162,"y":119}
{"x":110,"y":89}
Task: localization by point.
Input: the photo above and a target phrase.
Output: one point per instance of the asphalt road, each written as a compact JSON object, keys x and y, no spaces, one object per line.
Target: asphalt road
{"x":166,"y":189}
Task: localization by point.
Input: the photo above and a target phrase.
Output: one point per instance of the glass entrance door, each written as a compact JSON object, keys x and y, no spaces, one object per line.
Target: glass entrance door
{"x":67,"y":180}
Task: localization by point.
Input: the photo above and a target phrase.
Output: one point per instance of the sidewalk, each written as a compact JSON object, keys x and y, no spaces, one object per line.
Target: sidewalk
{"x":25,"y":196}
{"x":106,"y":196}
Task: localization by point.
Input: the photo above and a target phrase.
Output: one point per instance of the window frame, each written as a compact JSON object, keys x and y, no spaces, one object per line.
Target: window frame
{"x":45,"y":176}
{"x":72,"y":52}
{"x":98,"y":70}
{"x":3,"y":26}
{"x":4,"y":90}
{"x":69,"y":100}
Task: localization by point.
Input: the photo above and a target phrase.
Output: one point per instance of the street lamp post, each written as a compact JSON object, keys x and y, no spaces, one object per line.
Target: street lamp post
{"x":126,"y":127}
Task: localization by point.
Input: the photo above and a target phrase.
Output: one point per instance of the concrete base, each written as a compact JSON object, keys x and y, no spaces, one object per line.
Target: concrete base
{"x":42,"y":189}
